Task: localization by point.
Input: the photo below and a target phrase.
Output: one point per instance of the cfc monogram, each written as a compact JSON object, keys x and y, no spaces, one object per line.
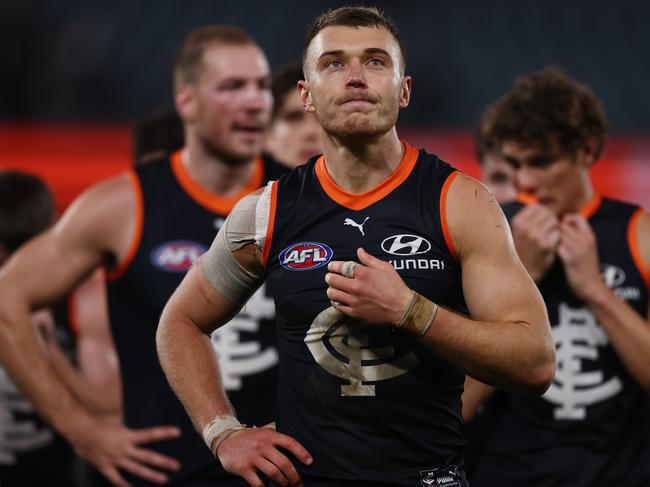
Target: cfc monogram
{"x":239,"y":358}
{"x":577,"y":338}
{"x":343,"y":350}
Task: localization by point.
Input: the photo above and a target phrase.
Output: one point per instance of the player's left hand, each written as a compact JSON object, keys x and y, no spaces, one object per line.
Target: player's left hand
{"x":372,"y":291}
{"x":579,"y":255}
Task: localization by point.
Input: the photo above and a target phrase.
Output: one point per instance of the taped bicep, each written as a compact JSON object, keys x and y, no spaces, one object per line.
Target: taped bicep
{"x":233,"y":263}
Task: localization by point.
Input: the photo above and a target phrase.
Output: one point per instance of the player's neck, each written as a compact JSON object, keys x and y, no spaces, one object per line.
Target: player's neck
{"x":359,"y":165}
{"x":582,"y":195}
{"x":215,"y":175}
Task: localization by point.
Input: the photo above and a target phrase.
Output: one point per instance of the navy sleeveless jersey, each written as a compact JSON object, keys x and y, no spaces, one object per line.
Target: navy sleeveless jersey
{"x":592,"y":427}
{"x":178,"y":221}
{"x":372,"y":406}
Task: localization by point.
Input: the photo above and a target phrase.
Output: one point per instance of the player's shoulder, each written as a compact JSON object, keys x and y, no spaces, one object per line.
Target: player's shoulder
{"x":106,"y":205}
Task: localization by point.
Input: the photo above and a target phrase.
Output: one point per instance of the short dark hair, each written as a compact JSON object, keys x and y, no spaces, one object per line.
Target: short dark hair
{"x":190,"y":54}
{"x":353,"y":17}
{"x":160,"y":132}
{"x":285,"y":81}
{"x":26,"y":208}
{"x":544,"y":105}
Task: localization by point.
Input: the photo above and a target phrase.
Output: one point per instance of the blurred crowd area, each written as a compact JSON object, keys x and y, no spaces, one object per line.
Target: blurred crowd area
{"x":76,"y":74}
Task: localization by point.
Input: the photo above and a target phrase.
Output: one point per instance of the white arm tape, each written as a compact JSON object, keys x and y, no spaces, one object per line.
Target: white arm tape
{"x":219,"y":429}
{"x":244,"y":226}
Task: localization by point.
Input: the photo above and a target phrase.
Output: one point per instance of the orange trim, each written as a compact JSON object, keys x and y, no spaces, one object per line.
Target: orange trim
{"x":443,"y":214}
{"x":137,"y":232}
{"x":364,"y":200}
{"x":271,"y":224}
{"x":635,"y":250}
{"x":212,"y":201}
{"x":72,"y":315}
{"x":526,"y":199}
{"x":591,"y":207}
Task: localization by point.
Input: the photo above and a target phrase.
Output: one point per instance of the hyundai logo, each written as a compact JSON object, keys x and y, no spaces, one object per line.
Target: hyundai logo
{"x":405,"y":245}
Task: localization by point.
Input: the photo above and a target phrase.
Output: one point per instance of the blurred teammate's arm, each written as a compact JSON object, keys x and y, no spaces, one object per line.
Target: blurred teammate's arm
{"x":209,"y":296}
{"x":474,"y":396}
{"x":96,"y":380}
{"x":39,"y":274}
{"x":628,"y":332}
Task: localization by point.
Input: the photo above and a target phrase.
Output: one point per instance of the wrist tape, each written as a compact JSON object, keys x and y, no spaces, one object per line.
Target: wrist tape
{"x":219,"y":429}
{"x":419,"y":315}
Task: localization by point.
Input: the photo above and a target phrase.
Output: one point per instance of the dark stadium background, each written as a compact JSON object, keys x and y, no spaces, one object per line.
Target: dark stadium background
{"x":75,"y":73}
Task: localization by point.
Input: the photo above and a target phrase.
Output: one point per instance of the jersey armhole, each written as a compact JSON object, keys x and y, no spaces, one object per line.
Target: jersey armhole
{"x":443,"y":214}
{"x":633,"y":243}
{"x":265,"y":219}
{"x":137,"y":232}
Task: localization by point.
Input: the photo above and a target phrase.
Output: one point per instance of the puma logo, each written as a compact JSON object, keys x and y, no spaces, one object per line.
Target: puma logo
{"x":350,"y":221}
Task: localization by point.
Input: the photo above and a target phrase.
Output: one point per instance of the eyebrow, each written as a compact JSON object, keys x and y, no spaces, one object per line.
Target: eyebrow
{"x":370,"y":50}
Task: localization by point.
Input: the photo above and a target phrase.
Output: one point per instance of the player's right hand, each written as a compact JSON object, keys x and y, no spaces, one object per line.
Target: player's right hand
{"x":249,"y":451}
{"x":536,"y":233}
{"x":110,"y":447}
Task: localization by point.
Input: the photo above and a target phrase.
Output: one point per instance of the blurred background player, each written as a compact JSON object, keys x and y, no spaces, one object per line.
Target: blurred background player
{"x":590,"y":257}
{"x":31,"y":453}
{"x":294,"y":135}
{"x":496,"y":173}
{"x":148,"y":227}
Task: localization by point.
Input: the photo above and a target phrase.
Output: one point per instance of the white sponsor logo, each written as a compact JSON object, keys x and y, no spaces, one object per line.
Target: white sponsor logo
{"x":613,"y":276}
{"x":238,"y":358}
{"x":342,"y":348}
{"x":420,"y":264}
{"x":577,"y":338}
{"x":406,"y":245}
{"x":351,"y":222}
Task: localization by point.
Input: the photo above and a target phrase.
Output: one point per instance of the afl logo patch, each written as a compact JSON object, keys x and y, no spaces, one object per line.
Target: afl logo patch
{"x":405,"y":245}
{"x":305,"y":256}
{"x":177,"y":256}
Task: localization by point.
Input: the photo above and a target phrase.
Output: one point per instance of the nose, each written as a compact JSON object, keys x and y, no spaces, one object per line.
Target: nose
{"x":526,"y":179}
{"x":258,"y":99}
{"x":356,"y":78}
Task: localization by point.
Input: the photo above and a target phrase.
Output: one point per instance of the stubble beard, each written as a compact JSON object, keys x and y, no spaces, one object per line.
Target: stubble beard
{"x":229,"y":157}
{"x":359,"y":124}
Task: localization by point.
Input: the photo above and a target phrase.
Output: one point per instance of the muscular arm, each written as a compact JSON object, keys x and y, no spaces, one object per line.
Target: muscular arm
{"x":40,"y":273}
{"x":96,"y":228}
{"x":507,"y":341}
{"x":628,"y":331}
{"x":209,"y":296}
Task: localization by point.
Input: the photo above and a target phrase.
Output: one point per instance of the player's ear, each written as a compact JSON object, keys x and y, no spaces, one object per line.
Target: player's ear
{"x":405,"y":92}
{"x":185,"y":101}
{"x":305,"y":96}
{"x":588,"y":155}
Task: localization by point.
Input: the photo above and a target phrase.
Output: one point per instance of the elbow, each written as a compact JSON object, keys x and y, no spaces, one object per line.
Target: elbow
{"x":541,"y":374}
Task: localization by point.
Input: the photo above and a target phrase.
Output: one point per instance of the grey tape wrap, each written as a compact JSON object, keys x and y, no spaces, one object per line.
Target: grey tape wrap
{"x":221,"y":269}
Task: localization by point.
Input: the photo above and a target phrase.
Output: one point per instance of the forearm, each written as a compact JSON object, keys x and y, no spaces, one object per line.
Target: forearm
{"x":23,"y":359}
{"x":190,"y":364}
{"x":514,"y":355}
{"x":628,"y":333}
{"x":97,"y":398}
